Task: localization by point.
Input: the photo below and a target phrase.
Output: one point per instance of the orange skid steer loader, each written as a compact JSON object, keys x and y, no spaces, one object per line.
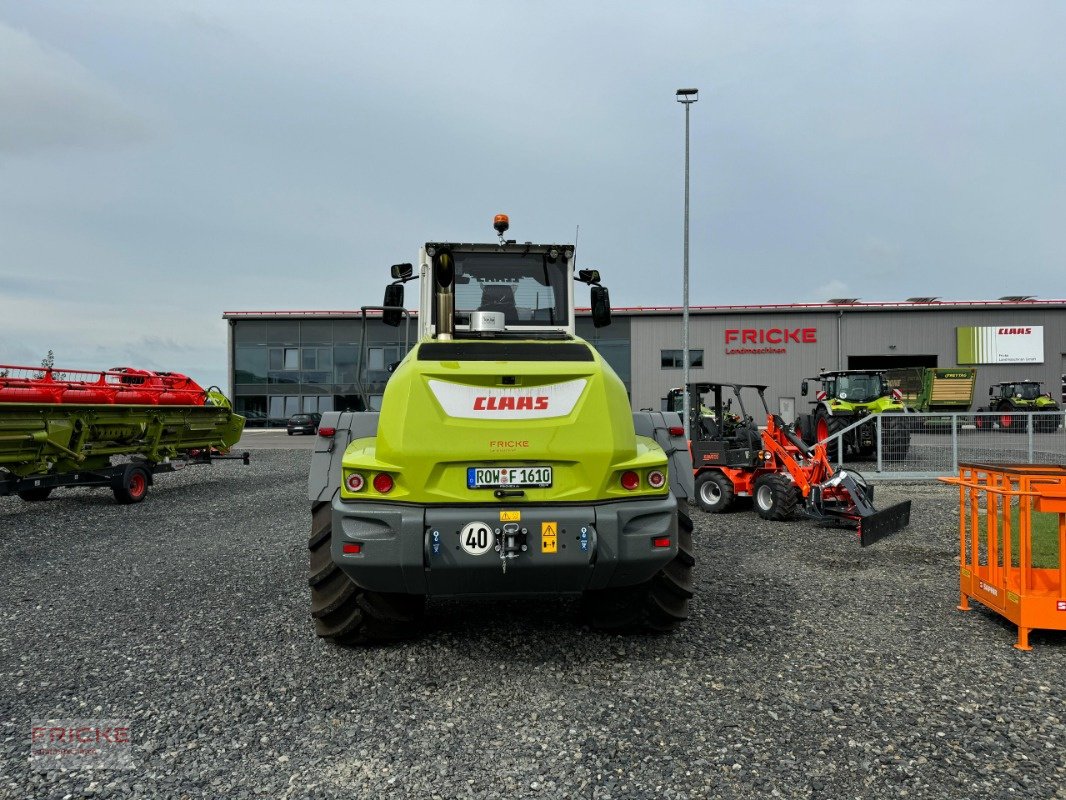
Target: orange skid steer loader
{"x":733,"y":458}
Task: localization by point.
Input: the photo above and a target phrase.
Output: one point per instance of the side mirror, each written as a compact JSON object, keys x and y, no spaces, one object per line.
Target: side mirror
{"x":588,"y":275}
{"x":803,"y":388}
{"x":393,"y":313}
{"x":990,"y":388}
{"x":401,"y":272}
{"x":601,"y":306}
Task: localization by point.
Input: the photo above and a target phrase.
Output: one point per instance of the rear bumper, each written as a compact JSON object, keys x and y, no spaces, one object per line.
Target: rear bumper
{"x":415,"y":549}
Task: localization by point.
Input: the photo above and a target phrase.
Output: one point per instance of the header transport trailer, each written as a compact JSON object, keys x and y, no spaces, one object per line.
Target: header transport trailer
{"x":117,"y":429}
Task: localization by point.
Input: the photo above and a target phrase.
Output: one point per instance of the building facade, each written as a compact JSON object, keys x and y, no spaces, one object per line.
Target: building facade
{"x":284,"y":362}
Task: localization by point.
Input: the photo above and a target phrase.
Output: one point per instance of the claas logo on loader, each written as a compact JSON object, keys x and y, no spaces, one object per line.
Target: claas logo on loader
{"x":509,"y":403}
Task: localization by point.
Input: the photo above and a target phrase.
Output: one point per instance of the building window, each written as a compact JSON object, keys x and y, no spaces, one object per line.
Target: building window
{"x":671,"y":359}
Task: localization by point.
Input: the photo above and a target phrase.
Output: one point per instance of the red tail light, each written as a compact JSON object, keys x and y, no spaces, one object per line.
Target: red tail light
{"x":630,"y":480}
{"x":352,"y":548}
{"x":661,"y":541}
{"x":383,"y":483}
{"x":677,"y":430}
{"x":327,"y":432}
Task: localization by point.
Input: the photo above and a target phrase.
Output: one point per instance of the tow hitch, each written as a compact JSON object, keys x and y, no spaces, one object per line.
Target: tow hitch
{"x":510,"y":542}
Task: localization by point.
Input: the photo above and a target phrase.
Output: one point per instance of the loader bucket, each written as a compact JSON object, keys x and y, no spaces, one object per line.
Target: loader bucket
{"x":880,"y":524}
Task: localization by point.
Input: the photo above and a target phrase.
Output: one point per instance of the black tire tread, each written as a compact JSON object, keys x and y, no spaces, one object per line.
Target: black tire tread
{"x":895,"y":437}
{"x":724,"y":485}
{"x":658,"y":605}
{"x":344,"y":613}
{"x":785,"y":495}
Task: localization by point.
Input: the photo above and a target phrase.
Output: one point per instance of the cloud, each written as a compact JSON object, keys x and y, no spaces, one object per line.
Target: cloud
{"x":51,"y":101}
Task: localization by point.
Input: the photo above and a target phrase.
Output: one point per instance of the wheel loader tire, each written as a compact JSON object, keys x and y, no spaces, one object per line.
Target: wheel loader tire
{"x":131,"y":486}
{"x":895,"y":437}
{"x":345,"y":614}
{"x":658,"y":605}
{"x":35,"y":495}
{"x":714,"y":492}
{"x":775,"y":497}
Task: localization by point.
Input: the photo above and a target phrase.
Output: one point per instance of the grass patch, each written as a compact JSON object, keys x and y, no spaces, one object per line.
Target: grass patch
{"x":1045,"y":537}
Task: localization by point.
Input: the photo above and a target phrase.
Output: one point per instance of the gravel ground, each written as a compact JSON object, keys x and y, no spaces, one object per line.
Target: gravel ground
{"x":810,"y":668}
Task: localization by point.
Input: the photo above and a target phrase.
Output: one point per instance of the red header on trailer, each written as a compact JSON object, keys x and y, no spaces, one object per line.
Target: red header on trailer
{"x":117,"y":386}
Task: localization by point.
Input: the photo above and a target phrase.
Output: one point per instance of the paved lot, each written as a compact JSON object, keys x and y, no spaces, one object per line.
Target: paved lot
{"x":810,"y":668}
{"x":274,"y":439}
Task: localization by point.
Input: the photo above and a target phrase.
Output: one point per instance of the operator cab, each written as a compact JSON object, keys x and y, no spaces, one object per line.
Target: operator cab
{"x":1022,"y":390}
{"x":496,"y":291}
{"x":855,"y":387}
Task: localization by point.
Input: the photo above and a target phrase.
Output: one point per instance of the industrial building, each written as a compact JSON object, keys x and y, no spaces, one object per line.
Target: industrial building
{"x":283,"y":362}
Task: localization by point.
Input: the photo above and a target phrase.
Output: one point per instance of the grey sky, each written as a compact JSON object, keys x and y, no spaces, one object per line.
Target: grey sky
{"x":163,"y":162}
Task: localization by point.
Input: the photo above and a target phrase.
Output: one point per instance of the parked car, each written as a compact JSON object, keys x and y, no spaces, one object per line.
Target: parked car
{"x":303,"y":423}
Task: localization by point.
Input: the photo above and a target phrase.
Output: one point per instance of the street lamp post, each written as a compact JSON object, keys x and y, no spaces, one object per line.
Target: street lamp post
{"x":686,"y":97}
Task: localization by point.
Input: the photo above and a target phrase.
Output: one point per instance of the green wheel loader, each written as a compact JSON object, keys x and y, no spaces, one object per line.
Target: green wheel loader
{"x":505,"y":461}
{"x":847,"y":396}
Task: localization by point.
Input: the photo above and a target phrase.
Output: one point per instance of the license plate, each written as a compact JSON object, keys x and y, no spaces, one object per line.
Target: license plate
{"x":507,"y":477}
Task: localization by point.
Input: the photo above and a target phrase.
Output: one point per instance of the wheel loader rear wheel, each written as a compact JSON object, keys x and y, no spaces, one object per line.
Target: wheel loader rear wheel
{"x":714,"y":492}
{"x":775,"y":497}
{"x":658,"y":605}
{"x":345,"y":614}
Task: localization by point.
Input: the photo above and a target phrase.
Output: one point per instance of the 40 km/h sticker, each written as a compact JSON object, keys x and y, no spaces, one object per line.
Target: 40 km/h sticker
{"x":477,"y":538}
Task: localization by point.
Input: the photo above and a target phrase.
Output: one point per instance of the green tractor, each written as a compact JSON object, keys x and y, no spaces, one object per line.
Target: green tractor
{"x":1010,"y":399}
{"x":846,"y":397}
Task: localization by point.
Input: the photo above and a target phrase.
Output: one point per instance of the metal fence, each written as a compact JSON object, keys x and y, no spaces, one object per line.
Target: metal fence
{"x":908,"y":446}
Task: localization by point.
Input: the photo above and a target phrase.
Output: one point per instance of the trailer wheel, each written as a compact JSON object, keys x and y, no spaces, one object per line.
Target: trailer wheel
{"x":132,"y":485}
{"x":35,"y":495}
{"x":714,"y":491}
{"x":775,"y":497}
{"x":345,"y":614}
{"x":658,"y":605}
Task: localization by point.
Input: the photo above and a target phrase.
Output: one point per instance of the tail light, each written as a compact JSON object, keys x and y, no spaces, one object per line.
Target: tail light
{"x":327,"y":433}
{"x":661,"y":541}
{"x":383,"y":483}
{"x":630,"y":480}
{"x":352,"y":548}
{"x":656,"y":479}
{"x":355,"y":482}
{"x":677,"y":430}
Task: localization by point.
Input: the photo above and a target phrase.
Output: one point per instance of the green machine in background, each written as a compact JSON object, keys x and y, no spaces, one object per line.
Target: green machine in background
{"x":115,"y":429}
